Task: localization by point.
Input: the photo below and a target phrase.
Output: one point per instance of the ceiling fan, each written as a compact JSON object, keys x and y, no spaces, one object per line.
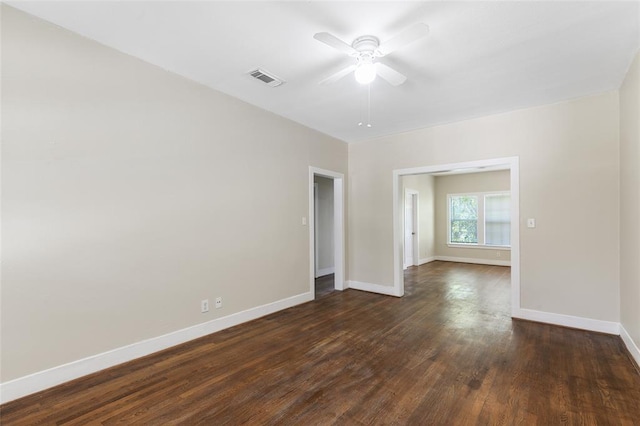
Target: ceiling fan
{"x":366,"y":49}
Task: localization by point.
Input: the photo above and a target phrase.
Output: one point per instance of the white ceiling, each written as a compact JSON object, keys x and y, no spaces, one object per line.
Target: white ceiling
{"x":479,"y":57}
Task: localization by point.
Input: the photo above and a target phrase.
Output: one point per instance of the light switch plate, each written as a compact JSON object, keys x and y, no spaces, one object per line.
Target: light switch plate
{"x":531,"y":223}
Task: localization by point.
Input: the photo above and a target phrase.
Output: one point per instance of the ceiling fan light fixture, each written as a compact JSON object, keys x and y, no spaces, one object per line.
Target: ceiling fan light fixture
{"x":365,"y":49}
{"x":365,"y":72}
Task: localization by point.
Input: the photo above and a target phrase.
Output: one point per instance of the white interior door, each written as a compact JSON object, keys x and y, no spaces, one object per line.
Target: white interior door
{"x":409,"y":230}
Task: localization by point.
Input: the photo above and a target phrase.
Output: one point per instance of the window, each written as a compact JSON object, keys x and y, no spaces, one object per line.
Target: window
{"x":464,"y":219}
{"x":497,"y":220}
{"x":480,"y":219}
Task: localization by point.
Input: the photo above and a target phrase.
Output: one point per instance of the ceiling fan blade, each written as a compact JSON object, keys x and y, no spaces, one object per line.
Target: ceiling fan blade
{"x":408,"y":36}
{"x":337,"y":76}
{"x":392,"y":76}
{"x":335,"y":42}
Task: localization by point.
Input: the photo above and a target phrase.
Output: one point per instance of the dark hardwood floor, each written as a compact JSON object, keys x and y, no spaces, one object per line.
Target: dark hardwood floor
{"x":447,"y":353}
{"x":325,"y":285}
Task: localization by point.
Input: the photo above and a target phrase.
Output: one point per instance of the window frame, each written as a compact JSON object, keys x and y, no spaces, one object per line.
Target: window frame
{"x":450,"y":219}
{"x":481,"y":221}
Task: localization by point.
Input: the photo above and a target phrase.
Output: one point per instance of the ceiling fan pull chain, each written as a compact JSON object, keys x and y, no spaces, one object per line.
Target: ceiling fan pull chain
{"x":368,"y":109}
{"x":368,"y":105}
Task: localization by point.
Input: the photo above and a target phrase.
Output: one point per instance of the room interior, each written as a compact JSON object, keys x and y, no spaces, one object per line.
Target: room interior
{"x":432,"y":215}
{"x":146,"y":171}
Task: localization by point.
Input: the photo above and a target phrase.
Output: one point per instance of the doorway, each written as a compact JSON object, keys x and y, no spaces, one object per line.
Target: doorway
{"x":323,"y":235}
{"x":326,"y":231}
{"x":411,"y":238}
{"x":509,"y":163}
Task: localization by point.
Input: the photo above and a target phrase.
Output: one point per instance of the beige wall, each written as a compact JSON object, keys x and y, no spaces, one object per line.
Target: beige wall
{"x":424,"y":184}
{"x":466,"y":183}
{"x":129,"y":194}
{"x":324,"y":223}
{"x":630,"y":202}
{"x":569,"y":178}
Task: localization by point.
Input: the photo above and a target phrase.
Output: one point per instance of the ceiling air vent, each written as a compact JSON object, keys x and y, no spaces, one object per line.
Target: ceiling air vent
{"x":265,"y":77}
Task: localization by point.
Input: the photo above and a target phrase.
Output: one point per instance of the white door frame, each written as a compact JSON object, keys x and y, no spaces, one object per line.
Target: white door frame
{"x":416,"y":232}
{"x":338,"y":226}
{"x":511,"y":163}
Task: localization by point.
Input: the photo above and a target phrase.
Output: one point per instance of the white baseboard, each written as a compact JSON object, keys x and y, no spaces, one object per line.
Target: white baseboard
{"x":426,"y":260}
{"x":373,"y":288}
{"x":45,"y":379}
{"x":600,"y":326}
{"x":472,"y":260}
{"x":325,"y":271}
{"x":631,"y":345}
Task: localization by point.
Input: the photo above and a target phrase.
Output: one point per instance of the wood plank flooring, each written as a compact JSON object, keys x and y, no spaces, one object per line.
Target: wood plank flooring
{"x":325,"y":285}
{"x":446,"y":353}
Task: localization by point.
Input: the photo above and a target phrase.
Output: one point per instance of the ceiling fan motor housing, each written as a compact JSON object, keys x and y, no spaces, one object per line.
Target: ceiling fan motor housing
{"x":367,"y":44}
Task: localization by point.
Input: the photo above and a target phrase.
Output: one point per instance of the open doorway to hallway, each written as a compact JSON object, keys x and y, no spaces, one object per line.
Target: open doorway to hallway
{"x":326,"y":231}
{"x":324,"y":264}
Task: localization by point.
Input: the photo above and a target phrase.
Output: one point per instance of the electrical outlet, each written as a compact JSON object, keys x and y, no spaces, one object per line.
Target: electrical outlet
{"x":204,"y":306}
{"x":218,"y":302}
{"x":498,"y":254}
